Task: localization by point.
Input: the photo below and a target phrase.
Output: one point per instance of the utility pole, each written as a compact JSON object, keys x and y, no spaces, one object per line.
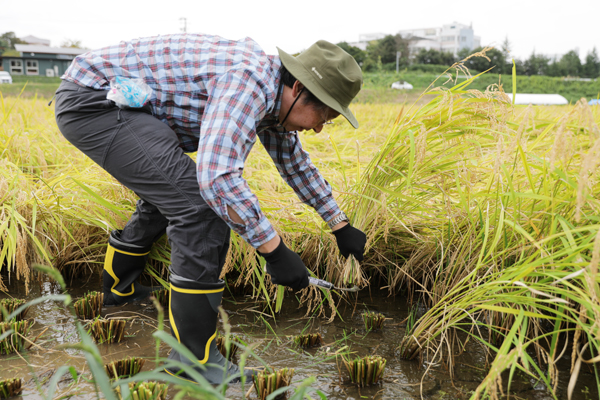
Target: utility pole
{"x":398,"y":54}
{"x":184,"y":29}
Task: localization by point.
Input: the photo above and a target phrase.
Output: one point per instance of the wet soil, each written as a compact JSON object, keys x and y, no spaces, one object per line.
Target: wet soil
{"x":273,"y":340}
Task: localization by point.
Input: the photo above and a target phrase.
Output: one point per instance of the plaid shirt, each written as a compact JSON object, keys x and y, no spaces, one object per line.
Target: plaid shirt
{"x":218,"y":96}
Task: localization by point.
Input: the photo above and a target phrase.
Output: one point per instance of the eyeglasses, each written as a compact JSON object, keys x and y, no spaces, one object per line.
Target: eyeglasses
{"x":326,"y":121}
{"x":330,"y":122}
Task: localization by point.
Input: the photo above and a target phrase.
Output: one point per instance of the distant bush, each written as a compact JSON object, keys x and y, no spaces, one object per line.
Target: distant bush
{"x":425,"y":68}
{"x":385,"y":79}
{"x":428,"y":68}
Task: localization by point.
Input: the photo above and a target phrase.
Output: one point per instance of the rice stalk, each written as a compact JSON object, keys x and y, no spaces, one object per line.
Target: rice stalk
{"x":44,"y":217}
{"x":124,"y":368}
{"x":162,"y":296}
{"x":530,"y":286}
{"x":145,"y":391}
{"x":266,"y":382}
{"x":227,"y":346}
{"x":15,"y":341}
{"x":373,"y":321}
{"x":589,"y":165}
{"x":402,"y":179}
{"x":89,"y":306}
{"x":508,"y":240}
{"x":308,"y":340}
{"x":8,"y":306}
{"x":107,"y":330}
{"x":365,"y":371}
{"x":10,"y":387}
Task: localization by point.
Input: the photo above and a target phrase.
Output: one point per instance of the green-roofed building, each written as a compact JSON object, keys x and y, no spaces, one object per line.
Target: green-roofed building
{"x":39,"y":60}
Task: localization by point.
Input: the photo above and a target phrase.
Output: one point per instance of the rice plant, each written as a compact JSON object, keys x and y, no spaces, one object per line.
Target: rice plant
{"x":89,"y":306}
{"x":308,"y":340}
{"x":476,"y":209}
{"x":10,"y":387}
{"x":16,"y":340}
{"x":223,"y":343}
{"x":47,"y":215}
{"x":107,"y":330}
{"x":124,"y":368}
{"x":162,"y":296}
{"x":373,"y":320}
{"x":8,"y":306}
{"x":145,"y":391}
{"x":412,"y":318}
{"x":365,"y":371}
{"x":519,"y":245}
{"x":266,"y":382}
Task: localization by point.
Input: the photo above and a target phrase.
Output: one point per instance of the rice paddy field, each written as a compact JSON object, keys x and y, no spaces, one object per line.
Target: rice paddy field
{"x":483,"y":248}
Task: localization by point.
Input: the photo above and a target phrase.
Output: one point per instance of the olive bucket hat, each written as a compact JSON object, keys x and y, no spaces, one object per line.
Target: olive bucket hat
{"x":330,"y":73}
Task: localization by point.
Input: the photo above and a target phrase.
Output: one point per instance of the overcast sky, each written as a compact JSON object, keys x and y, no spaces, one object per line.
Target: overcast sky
{"x":548,"y":27}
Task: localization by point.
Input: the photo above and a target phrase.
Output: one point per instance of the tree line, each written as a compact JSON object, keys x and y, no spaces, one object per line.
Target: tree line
{"x":381,"y":55}
{"x":8,"y":40}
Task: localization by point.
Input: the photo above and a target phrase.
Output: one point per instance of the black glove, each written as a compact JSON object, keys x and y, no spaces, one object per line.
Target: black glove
{"x":286,"y":267}
{"x":351,"y":241}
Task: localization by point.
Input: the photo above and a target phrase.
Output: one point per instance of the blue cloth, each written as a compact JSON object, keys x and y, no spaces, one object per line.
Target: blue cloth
{"x":594,"y":102}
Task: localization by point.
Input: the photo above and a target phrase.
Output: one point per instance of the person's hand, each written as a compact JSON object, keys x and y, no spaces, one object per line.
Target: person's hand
{"x":286,"y":267}
{"x":351,"y":241}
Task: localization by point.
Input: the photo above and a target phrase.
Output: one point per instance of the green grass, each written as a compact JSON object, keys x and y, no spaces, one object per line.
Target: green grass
{"x":377,"y":86}
{"x":35,"y":79}
{"x":29,"y":90}
{"x":30,"y":86}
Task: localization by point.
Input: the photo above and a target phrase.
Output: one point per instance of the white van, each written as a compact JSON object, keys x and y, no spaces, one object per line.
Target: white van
{"x":5,"y":77}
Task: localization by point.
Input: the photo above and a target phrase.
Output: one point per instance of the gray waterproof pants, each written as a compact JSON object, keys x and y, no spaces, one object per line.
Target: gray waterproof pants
{"x":143,"y":154}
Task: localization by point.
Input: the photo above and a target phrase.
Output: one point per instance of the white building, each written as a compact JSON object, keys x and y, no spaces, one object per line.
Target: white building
{"x":450,"y":38}
{"x":36,"y":40}
{"x":365,"y":38}
{"x":424,"y":38}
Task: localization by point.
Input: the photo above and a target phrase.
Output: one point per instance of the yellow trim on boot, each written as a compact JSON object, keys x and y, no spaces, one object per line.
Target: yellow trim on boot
{"x":108,"y":267}
{"x":207,"y":349}
{"x":178,"y":376}
{"x":196,"y":291}
{"x":174,"y":327}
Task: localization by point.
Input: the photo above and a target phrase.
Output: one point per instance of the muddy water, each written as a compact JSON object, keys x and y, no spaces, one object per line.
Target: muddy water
{"x":402,"y":380}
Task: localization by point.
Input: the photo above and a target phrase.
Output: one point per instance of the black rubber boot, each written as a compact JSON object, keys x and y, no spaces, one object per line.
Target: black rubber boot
{"x":193,"y":312}
{"x":123,"y":264}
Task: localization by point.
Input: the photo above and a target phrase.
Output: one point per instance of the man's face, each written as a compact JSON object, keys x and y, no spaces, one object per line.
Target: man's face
{"x":305,"y":116}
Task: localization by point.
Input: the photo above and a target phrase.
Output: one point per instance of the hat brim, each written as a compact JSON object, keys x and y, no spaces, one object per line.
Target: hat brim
{"x":300,"y":72}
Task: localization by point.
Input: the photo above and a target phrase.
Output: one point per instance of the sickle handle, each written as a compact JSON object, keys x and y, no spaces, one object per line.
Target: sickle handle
{"x":320,"y":283}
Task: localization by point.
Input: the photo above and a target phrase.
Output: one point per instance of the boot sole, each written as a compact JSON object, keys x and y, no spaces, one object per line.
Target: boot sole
{"x":128,"y":301}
